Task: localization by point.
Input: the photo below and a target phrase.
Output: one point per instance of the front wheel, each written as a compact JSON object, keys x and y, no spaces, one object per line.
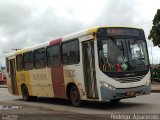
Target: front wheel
{"x":75,"y":96}
{"x":115,"y":101}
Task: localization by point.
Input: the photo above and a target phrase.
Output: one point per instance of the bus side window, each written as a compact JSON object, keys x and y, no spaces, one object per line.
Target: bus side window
{"x":53,"y":56}
{"x":19,"y":62}
{"x":40,"y":58}
{"x":28,"y":60}
{"x":70,"y":52}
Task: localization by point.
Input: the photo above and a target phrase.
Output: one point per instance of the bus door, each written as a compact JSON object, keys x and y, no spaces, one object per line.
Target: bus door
{"x":13,"y":76}
{"x":89,"y":69}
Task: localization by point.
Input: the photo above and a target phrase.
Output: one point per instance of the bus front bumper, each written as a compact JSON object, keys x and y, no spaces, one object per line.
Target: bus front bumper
{"x":122,"y":93}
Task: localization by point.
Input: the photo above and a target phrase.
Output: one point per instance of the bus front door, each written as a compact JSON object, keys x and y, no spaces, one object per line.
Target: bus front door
{"x":89,"y":69}
{"x":13,"y":77}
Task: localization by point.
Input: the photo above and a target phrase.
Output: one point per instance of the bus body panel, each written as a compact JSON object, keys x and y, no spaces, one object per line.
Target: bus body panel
{"x":121,"y":89}
{"x":117,"y":84}
{"x":73,"y":74}
{"x":108,"y":94}
{"x":41,"y":82}
{"x":23,"y":78}
{"x":9,"y":84}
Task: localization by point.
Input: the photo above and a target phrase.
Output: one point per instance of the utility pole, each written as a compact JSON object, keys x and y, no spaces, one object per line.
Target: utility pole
{"x":15,"y":49}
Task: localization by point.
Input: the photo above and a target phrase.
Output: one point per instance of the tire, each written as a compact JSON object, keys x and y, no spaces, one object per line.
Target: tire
{"x":25,"y":93}
{"x":115,"y":101}
{"x":33,"y":98}
{"x":75,"y":96}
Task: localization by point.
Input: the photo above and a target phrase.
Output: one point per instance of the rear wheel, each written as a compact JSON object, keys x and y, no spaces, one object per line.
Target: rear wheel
{"x":25,"y":93}
{"x":75,"y":96}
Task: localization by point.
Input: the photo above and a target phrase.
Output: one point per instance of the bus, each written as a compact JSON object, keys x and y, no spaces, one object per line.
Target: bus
{"x":96,"y":64}
{"x":2,"y":78}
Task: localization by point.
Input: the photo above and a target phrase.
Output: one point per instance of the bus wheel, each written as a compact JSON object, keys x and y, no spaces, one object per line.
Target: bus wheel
{"x":25,"y":93}
{"x":75,"y":96}
{"x":115,"y":101}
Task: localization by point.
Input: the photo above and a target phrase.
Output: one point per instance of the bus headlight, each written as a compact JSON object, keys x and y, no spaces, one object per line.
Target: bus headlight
{"x":108,"y":85}
{"x":148,"y":82}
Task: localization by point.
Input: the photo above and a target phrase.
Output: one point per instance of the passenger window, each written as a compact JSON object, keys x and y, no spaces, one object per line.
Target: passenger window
{"x":53,"y":55}
{"x":19,"y":62}
{"x":70,"y":52}
{"x":40,"y":58}
{"x":28,"y":61}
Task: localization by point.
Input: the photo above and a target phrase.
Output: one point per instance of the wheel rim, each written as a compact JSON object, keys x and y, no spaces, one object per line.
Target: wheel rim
{"x":25,"y":94}
{"x":74,"y":96}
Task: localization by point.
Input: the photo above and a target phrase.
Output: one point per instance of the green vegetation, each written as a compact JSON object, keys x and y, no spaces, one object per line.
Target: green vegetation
{"x":155,"y":73}
{"x":155,"y":31}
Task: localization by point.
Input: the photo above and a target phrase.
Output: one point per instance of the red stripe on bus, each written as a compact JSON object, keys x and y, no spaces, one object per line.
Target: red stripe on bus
{"x":58,"y":76}
{"x":58,"y":82}
{"x":56,"y":41}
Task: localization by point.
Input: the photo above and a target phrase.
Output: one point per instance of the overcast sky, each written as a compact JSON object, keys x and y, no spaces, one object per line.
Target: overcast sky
{"x":25,"y":23}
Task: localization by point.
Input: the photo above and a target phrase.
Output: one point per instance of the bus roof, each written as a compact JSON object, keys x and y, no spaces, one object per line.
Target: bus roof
{"x":64,"y":38}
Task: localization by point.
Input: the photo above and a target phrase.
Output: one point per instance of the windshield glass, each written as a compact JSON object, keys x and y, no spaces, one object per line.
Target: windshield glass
{"x":123,"y":55}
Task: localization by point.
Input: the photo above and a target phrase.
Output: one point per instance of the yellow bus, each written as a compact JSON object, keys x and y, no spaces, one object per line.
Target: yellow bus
{"x":97,"y":64}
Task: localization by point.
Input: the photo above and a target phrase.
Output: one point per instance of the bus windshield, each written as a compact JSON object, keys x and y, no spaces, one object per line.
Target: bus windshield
{"x":123,"y":55}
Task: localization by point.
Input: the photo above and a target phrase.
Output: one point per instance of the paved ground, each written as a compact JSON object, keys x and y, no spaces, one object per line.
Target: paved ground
{"x":58,"y":109}
{"x":155,"y":86}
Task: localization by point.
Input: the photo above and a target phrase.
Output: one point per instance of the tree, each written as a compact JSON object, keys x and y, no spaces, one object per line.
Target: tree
{"x":155,"y":31}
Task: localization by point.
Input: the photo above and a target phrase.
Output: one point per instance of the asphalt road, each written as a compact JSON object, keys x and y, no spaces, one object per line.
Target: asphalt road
{"x":49,"y":108}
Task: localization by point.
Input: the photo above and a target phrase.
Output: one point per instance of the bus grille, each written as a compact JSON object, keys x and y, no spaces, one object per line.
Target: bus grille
{"x":129,"y":79}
